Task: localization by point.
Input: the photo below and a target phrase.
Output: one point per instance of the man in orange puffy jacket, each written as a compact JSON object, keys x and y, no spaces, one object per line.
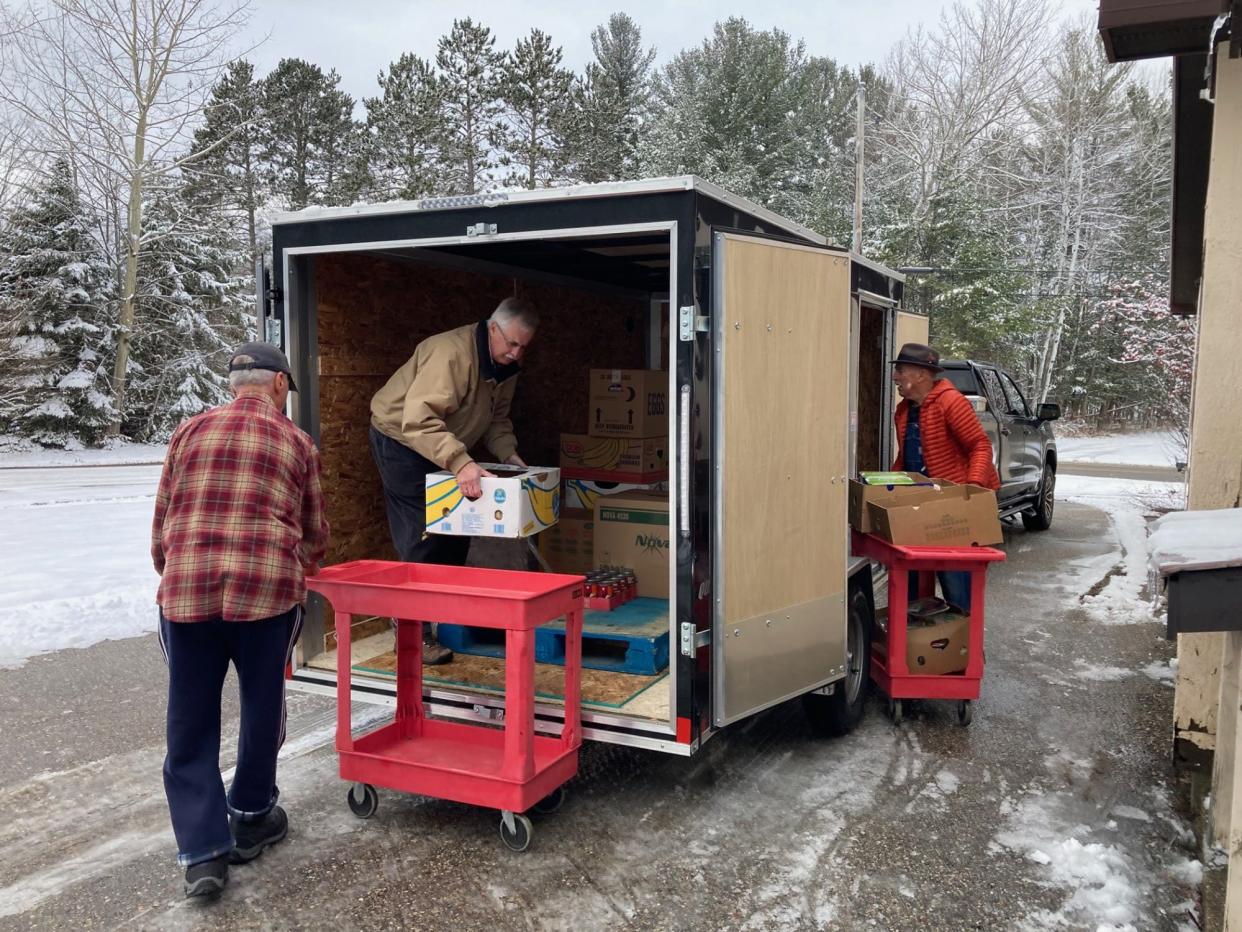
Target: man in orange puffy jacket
{"x":939,"y":436}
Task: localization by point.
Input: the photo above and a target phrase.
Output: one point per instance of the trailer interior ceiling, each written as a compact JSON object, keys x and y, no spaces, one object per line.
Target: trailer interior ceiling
{"x":595,"y":296}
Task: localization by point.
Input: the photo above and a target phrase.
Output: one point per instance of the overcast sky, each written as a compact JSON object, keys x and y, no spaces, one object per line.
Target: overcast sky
{"x":359,"y":39}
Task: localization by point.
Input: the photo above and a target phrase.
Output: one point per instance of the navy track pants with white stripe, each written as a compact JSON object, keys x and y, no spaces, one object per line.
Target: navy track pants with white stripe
{"x":198,"y":656}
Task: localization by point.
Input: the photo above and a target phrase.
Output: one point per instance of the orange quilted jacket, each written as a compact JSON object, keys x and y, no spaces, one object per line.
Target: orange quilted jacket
{"x":954,"y":444}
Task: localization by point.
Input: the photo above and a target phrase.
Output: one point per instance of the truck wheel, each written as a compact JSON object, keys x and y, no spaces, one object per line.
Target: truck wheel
{"x":841,"y":712}
{"x":1041,"y":518}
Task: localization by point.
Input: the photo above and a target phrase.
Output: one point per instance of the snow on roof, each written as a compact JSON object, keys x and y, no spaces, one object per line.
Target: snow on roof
{"x":1196,"y":540}
{"x":570,"y":192}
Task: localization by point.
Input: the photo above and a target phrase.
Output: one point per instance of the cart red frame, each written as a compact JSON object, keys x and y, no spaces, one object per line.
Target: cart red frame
{"x":509,"y":769}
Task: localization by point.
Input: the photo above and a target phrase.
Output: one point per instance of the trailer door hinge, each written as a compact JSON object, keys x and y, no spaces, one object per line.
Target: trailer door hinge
{"x":690,"y":323}
{"x":481,"y":229}
{"x":692,"y":640}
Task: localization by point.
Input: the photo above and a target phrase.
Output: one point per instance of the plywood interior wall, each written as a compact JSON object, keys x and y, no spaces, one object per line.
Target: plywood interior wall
{"x":373,"y":311}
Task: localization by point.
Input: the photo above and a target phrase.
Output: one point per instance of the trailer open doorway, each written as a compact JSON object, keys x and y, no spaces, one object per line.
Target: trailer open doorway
{"x":602,"y":299}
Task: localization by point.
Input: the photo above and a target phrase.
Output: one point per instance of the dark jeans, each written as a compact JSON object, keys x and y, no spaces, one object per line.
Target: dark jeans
{"x":198,"y":654}
{"x":954,"y":588}
{"x":404,"y":475}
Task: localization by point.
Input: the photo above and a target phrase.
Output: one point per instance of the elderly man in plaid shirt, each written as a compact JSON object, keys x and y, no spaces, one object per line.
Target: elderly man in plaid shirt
{"x":239,"y":523}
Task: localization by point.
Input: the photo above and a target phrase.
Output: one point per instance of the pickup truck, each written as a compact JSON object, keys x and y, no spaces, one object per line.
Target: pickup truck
{"x":1022,"y":441}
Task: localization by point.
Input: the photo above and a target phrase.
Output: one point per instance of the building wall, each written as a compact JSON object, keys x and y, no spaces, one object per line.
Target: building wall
{"x":1215,"y":479}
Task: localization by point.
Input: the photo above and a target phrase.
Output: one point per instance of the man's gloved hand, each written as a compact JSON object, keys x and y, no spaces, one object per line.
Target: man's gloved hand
{"x":468,"y":479}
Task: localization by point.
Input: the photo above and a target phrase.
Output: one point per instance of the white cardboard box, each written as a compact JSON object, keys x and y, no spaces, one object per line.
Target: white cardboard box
{"x":517,"y":503}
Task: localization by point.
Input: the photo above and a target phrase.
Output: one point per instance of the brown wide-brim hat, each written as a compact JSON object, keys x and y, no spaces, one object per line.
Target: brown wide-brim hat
{"x":916,"y":354}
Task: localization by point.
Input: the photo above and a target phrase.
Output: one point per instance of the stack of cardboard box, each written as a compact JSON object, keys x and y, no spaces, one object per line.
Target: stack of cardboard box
{"x":618,"y":463}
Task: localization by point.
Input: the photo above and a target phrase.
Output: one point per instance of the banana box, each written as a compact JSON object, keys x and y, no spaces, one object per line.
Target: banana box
{"x":614,"y":459}
{"x":516,"y":503}
{"x":583,"y":493}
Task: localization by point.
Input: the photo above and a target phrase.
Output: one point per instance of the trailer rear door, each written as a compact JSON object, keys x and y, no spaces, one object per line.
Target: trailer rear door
{"x":780,"y":315}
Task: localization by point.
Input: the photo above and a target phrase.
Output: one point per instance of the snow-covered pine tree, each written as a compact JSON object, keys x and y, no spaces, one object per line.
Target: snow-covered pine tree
{"x":407,"y":130}
{"x":469,"y":63}
{"x":611,"y":103}
{"x":536,"y":93}
{"x":227,"y":170}
{"x":311,"y":144}
{"x":732,"y":111}
{"x":194,"y":306}
{"x":55,"y":290}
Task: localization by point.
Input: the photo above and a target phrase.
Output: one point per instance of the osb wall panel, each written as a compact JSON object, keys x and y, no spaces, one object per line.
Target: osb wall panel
{"x":373,"y":311}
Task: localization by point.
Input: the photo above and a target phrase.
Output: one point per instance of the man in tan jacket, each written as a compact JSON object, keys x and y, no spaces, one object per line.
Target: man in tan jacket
{"x":452,"y":393}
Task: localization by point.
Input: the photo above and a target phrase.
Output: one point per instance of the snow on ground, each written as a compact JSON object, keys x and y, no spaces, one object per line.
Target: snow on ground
{"x":1122,"y":595}
{"x":1044,"y":823}
{"x":15,"y":452}
{"x":1149,"y":448}
{"x":75,"y":557}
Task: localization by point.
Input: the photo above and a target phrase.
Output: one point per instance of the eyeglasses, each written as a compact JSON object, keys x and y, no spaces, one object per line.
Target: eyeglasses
{"x":512,"y":344}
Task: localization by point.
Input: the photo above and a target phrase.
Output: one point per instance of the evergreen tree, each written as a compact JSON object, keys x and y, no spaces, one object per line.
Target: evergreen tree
{"x":469,"y":64}
{"x":227,"y":168}
{"x":733,"y":111}
{"x":611,"y":102}
{"x":536,"y":93}
{"x":193,"y":306}
{"x":310,"y":142}
{"x":55,"y":292}
{"x":407,"y":129}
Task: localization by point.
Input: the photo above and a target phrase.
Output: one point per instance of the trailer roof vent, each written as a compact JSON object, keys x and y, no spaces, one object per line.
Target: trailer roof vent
{"x":462,"y":200}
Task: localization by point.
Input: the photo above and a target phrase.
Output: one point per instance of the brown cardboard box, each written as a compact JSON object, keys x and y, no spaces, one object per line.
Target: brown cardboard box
{"x":956,"y":516}
{"x":641,"y":461}
{"x":569,"y":545}
{"x":633,"y":530}
{"x":861,"y":493}
{"x":628,"y":403}
{"x":938,"y":648}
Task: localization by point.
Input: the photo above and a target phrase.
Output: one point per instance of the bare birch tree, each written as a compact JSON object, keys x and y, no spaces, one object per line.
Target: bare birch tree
{"x":116,"y":86}
{"x":961,"y":88}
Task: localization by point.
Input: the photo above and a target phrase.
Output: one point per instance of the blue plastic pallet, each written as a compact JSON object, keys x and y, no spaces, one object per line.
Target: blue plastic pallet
{"x":629,"y":639}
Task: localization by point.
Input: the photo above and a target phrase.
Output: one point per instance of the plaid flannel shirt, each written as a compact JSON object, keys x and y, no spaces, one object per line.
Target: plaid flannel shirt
{"x":239,"y":516}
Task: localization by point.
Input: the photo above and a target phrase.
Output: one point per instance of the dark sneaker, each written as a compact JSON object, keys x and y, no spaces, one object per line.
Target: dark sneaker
{"x":207,"y":878}
{"x":435,"y":654}
{"x":250,"y":838}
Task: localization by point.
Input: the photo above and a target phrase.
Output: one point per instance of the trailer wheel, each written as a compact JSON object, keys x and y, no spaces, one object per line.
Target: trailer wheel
{"x":517,"y":839}
{"x":550,"y":803}
{"x":841,"y":712}
{"x":363,"y":800}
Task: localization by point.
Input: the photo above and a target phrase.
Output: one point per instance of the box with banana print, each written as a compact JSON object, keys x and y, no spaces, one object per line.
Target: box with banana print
{"x":516,"y":503}
{"x":614,"y":459}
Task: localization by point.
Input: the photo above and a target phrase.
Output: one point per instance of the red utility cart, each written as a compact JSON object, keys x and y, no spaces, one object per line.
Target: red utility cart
{"x":512,"y":769}
{"x":891,"y":673}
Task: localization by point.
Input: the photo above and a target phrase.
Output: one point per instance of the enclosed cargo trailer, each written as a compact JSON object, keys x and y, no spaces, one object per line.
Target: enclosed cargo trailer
{"x":775,"y":346}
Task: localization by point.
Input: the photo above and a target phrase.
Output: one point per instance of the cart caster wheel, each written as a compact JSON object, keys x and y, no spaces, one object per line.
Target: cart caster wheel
{"x":895,"y":711}
{"x":550,"y":803}
{"x":965,"y":712}
{"x":519,"y":838}
{"x":363,"y":800}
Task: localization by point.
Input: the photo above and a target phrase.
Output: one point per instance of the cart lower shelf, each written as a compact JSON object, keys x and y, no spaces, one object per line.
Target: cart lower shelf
{"x":462,"y":763}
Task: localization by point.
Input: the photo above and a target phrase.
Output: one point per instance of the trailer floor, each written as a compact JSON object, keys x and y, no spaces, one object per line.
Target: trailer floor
{"x":630,"y":694}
